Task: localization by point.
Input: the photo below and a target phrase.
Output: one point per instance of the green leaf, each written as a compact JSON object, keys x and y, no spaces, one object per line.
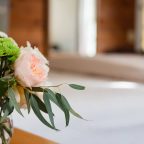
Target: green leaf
{"x":12,"y":98}
{"x":48,"y":107}
{"x":3,"y":87}
{"x":7,"y":109}
{"x":67,"y":105}
{"x":37,"y":112}
{"x":75,"y":86}
{"x":65,"y":110}
{"x":27,"y":96}
{"x":52,"y":96}
{"x":63,"y":104}
{"x":41,"y":105}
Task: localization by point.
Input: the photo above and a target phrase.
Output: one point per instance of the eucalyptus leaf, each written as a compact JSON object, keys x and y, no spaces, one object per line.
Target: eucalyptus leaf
{"x":67,"y":105}
{"x":77,"y":87}
{"x":39,"y":101}
{"x":3,"y":87}
{"x":48,"y":107}
{"x":37,"y":112}
{"x":65,"y":110}
{"x":52,"y":96}
{"x":12,"y":98}
{"x":27,"y":97}
{"x":41,"y":105}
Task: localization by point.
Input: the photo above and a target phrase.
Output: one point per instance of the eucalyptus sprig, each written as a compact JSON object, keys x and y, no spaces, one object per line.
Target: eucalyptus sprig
{"x":49,"y":96}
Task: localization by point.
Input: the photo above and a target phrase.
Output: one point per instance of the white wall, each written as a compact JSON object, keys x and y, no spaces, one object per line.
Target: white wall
{"x":63,"y":24}
{"x":87,"y":28}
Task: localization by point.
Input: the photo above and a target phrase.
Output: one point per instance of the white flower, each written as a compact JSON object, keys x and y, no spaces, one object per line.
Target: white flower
{"x":3,"y":35}
{"x":31,"y":67}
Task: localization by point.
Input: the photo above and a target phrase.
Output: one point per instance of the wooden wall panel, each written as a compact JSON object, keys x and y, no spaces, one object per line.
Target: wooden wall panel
{"x":28,"y":21}
{"x":115,"y":20}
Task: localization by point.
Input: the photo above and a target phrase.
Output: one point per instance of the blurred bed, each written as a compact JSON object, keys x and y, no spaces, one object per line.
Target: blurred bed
{"x":119,"y":66}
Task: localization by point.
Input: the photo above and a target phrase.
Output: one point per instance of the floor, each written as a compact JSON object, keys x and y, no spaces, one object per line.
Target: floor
{"x":114,"y":111}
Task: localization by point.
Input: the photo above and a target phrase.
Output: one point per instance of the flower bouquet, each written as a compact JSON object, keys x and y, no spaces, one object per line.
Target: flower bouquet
{"x":23,"y":72}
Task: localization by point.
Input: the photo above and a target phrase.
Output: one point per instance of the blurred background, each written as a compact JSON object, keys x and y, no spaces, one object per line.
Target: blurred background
{"x":98,"y":31}
{"x":80,"y":27}
{"x":97,"y":43}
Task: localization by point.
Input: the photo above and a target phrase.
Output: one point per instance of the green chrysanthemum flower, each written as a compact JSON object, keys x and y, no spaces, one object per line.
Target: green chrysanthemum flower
{"x":9,"y":48}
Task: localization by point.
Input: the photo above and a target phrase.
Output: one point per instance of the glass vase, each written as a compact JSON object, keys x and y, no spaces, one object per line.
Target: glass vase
{"x":6,"y":130}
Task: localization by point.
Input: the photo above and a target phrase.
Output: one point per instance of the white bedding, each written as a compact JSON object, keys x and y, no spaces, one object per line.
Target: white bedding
{"x":114,"y":110}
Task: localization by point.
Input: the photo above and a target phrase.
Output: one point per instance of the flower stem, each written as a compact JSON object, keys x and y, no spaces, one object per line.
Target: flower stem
{"x":3,"y":136}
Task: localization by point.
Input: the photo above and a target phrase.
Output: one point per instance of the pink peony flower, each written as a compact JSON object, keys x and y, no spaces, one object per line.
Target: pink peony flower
{"x":31,"y":67}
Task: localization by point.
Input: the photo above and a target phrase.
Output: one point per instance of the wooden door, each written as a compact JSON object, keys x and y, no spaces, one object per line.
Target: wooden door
{"x":28,"y":22}
{"x":115,"y":25}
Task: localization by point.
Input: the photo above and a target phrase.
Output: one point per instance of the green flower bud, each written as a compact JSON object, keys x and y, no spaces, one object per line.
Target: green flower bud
{"x":8,"y":47}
